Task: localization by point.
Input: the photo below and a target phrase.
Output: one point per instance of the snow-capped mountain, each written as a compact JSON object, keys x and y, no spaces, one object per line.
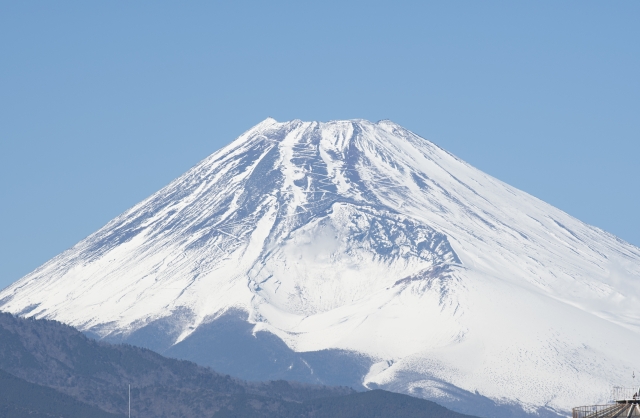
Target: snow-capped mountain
{"x":372,"y":255}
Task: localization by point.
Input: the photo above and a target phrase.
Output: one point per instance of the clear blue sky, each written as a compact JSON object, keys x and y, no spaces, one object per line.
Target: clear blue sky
{"x":104,"y":102}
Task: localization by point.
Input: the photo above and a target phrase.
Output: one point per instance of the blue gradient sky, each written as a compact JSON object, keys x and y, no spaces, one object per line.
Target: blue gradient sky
{"x":103,"y":103}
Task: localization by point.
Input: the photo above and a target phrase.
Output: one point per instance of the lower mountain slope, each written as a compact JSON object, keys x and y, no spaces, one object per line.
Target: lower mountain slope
{"x":48,"y":369}
{"x":371,"y":404}
{"x":21,"y":399}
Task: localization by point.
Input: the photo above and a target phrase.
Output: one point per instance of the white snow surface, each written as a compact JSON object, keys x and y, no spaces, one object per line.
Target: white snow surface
{"x":366,"y":237}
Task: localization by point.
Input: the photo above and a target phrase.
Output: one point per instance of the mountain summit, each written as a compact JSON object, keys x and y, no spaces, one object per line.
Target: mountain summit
{"x":362,"y":241}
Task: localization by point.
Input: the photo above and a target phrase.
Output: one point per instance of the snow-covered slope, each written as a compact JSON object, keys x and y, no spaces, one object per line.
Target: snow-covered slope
{"x":364,"y":237}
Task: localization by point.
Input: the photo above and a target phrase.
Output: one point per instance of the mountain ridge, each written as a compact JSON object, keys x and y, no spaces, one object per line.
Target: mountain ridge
{"x":48,"y":369}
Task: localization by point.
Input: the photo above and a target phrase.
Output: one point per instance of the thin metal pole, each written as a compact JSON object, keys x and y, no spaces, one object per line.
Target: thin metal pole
{"x":129,"y":401}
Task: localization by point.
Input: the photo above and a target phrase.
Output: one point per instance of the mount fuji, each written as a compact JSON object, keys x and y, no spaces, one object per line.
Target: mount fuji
{"x":352,"y":252}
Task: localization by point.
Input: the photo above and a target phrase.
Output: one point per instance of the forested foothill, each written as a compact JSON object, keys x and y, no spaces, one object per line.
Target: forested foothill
{"x":48,"y":369}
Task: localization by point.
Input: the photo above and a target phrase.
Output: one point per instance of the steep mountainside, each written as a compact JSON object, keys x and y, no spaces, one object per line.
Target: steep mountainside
{"x":361,"y":243}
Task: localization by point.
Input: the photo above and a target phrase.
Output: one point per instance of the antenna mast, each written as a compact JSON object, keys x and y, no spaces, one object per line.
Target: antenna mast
{"x":129,"y":400}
